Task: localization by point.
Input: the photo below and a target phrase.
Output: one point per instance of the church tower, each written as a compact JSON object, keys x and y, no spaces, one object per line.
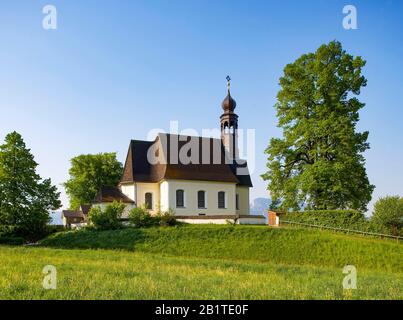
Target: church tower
{"x":229,"y":125}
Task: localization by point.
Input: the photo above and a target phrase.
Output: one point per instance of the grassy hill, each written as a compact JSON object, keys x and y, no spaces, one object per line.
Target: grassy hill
{"x":250,"y":243}
{"x":203,"y":262}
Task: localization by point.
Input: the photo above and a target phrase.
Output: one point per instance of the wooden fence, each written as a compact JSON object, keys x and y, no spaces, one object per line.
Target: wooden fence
{"x":342,"y":230}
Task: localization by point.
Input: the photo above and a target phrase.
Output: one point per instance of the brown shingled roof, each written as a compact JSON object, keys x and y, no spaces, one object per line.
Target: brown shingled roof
{"x":72,"y":214}
{"x":85,"y":208}
{"x":137,"y":168}
{"x":110,"y":194}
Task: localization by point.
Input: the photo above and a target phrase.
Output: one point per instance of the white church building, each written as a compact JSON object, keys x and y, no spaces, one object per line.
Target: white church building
{"x":201,"y":179}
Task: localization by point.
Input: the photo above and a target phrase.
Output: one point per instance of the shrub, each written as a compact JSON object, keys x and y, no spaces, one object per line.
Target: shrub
{"x":8,"y":236}
{"x":10,"y":240}
{"x":167,"y":218}
{"x":6,"y":230}
{"x":108,"y":218}
{"x":53,"y":228}
{"x":233,"y":222}
{"x":388,"y":213}
{"x":141,"y":217}
{"x":34,"y":227}
{"x":33,"y":234}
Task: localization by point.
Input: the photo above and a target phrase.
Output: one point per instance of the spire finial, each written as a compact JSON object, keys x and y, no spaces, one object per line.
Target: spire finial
{"x":228,"y":82}
{"x":228,"y":104}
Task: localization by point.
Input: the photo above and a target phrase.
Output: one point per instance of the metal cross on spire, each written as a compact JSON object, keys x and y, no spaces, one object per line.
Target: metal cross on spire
{"x":228,"y":82}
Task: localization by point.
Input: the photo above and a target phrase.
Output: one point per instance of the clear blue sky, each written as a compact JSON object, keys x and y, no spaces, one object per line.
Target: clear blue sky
{"x":113,"y":70}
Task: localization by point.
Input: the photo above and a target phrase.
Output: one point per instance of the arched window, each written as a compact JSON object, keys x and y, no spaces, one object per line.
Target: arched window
{"x":180,"y":198}
{"x":148,"y":200}
{"x":221,"y":200}
{"x":231,"y":127}
{"x":226,"y":127}
{"x":201,"y":199}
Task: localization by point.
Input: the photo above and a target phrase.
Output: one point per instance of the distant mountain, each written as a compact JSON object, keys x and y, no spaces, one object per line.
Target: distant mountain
{"x":260,"y":206}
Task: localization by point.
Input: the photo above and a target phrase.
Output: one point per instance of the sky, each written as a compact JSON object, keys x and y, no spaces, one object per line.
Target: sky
{"x":114,"y":70}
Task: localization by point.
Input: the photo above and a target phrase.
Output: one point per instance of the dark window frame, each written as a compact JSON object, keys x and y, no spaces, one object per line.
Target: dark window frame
{"x":201,"y":202}
{"x":221,"y":200}
{"x":180,"y":198}
{"x":148,"y":202}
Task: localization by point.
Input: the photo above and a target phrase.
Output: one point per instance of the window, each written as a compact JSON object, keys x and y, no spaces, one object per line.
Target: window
{"x":180,"y":198}
{"x":149,"y":200}
{"x":201,"y":199}
{"x":237,"y":201}
{"x":221,"y":200}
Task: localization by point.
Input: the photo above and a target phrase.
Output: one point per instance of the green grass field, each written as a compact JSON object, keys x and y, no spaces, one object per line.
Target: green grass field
{"x":204,"y":262}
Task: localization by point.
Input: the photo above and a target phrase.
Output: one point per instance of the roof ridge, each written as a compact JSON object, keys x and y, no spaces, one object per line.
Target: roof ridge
{"x":137,"y":168}
{"x":187,"y":135}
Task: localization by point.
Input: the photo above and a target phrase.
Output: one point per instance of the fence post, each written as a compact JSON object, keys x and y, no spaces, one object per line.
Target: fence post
{"x":273,"y":219}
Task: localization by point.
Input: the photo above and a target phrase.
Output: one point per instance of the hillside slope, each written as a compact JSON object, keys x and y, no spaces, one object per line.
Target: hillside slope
{"x":247,"y":243}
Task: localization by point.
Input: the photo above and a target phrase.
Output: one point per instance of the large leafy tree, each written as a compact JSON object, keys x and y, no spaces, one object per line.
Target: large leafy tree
{"x":318,"y":162}
{"x":388,"y":212}
{"x":90,"y":172}
{"x":25,"y":199}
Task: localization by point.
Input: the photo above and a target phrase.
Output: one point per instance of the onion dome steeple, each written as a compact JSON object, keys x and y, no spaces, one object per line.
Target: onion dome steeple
{"x":229,"y":125}
{"x":228,"y":103}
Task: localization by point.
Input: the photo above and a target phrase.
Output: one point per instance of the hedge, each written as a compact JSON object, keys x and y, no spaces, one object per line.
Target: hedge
{"x":15,"y":241}
{"x":330,"y":218}
{"x":10,"y":236}
{"x":347,"y":219}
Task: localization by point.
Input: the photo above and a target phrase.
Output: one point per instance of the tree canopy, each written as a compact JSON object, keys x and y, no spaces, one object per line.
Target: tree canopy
{"x":318,"y":163}
{"x":388,"y":212}
{"x":90,"y":172}
{"x":25,"y":199}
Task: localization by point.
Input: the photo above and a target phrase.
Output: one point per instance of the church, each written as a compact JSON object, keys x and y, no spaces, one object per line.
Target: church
{"x":201,"y":179}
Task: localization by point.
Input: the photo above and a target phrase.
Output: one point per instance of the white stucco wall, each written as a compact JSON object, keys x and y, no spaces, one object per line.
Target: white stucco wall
{"x":206,"y":221}
{"x":129,"y":190}
{"x":211,"y":188}
{"x":164,"y":196}
{"x":243,"y":193}
{"x":253,"y":221}
{"x":142,"y":189}
{"x":137,"y":192}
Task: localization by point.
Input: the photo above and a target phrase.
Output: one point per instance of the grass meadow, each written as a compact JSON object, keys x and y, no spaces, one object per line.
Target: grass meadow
{"x":203,"y":262}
